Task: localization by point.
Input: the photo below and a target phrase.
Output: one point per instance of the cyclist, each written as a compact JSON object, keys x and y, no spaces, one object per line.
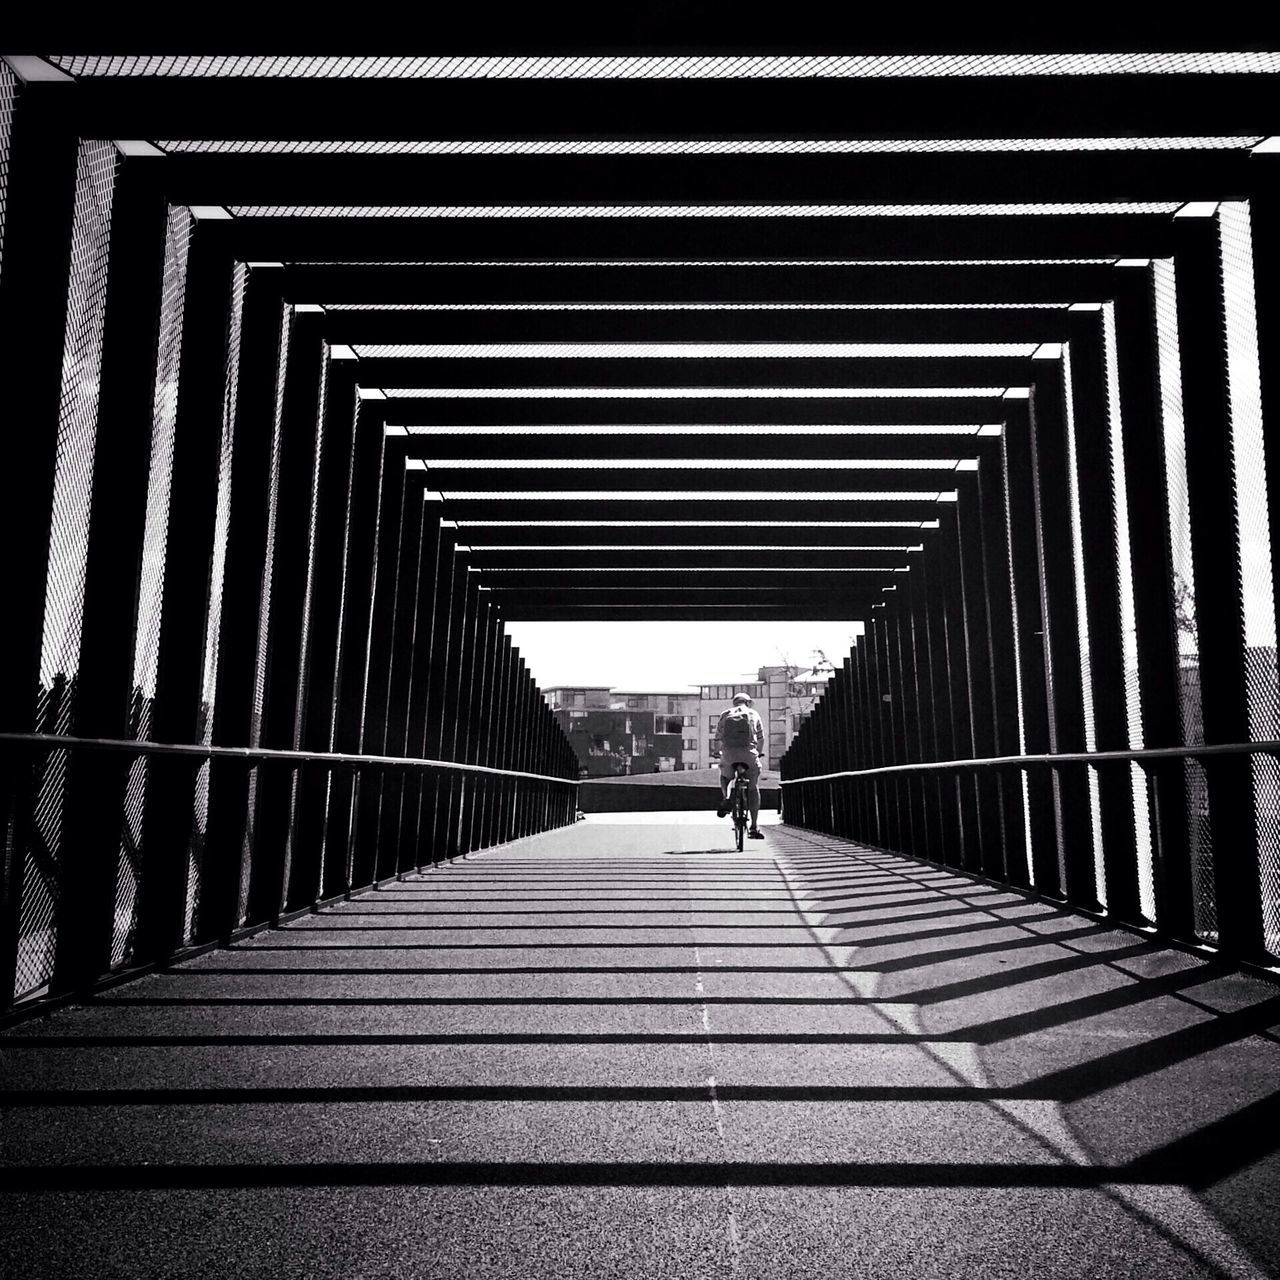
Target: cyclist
{"x":740,"y":737}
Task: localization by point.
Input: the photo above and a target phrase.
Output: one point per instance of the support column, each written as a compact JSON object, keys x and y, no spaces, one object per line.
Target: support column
{"x":351,"y":675}
{"x":1020,"y":513}
{"x":1150,"y":569}
{"x":1101,"y":568}
{"x":1003,"y":659}
{"x":196,"y":440}
{"x":235,"y":712}
{"x":1055,"y":549}
{"x":1216,"y":548}
{"x":297,"y":423}
{"x":118,"y":251}
{"x":320,"y":642}
{"x":978,"y":668}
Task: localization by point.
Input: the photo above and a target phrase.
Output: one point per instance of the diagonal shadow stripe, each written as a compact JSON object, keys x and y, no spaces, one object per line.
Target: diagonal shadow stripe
{"x":901,"y":964}
{"x":1012,"y":977}
{"x":1139,"y":1060}
{"x":97,"y":1177}
{"x":1218,"y":1149}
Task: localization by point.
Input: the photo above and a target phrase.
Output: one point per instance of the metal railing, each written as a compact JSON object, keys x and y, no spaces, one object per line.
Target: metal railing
{"x":230,"y":840}
{"x":1204,"y":881}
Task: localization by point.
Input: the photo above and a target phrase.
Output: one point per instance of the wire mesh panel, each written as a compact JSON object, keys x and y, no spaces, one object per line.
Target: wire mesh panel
{"x":1018,"y":677}
{"x":146,"y":654}
{"x":261,"y":653}
{"x":97,"y":167}
{"x":1199,"y":829}
{"x":1128,"y":617}
{"x":1082,"y":625}
{"x":690,"y":146}
{"x":8,"y":99}
{"x":1253,"y":528}
{"x":672,"y":66}
{"x":213,"y":614}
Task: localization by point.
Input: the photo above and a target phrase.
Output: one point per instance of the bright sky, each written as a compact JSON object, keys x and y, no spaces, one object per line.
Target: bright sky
{"x":671,"y":655}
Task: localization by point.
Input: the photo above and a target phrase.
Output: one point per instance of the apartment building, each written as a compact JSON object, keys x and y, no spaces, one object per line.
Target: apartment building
{"x":618,"y":731}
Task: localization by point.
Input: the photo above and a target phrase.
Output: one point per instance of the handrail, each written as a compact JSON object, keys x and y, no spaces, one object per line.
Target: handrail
{"x":54,"y":741}
{"x":1270,"y":746}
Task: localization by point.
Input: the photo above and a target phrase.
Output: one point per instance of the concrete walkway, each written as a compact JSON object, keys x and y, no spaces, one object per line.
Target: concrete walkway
{"x":626,"y":1050}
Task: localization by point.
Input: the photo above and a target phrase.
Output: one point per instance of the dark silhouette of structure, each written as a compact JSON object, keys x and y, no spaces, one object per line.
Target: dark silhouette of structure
{"x":324,"y":369}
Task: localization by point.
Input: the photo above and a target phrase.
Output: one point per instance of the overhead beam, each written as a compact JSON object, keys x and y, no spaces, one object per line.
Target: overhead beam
{"x":888,"y":107}
{"x":839,"y":366}
{"x":643,"y":559}
{"x":780,"y":276}
{"x":482,"y":535}
{"x":763,"y":440}
{"x":904,"y":177}
{"x":760,"y":321}
{"x":467,"y":234}
{"x":506,"y":406}
{"x":678,"y":508}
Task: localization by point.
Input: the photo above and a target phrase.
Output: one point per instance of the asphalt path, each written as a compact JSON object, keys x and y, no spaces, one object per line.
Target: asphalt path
{"x":624,"y":1049}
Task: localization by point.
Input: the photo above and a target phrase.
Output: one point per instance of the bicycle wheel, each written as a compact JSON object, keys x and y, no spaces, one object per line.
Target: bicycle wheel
{"x":740,"y":813}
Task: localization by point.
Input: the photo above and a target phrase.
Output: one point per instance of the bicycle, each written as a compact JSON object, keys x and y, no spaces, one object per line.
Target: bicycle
{"x":741,"y":809}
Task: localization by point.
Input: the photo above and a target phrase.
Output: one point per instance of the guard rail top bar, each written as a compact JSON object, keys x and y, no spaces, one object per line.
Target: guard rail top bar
{"x":55,"y":742}
{"x":1269,"y":747}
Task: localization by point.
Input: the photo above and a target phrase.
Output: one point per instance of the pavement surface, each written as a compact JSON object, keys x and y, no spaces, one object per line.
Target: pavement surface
{"x":624,"y":1049}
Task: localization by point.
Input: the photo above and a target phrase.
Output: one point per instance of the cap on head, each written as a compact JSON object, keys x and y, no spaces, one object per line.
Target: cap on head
{"x":740,"y":698}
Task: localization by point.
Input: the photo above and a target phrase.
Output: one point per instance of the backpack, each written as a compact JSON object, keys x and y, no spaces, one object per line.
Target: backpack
{"x":737,"y":729}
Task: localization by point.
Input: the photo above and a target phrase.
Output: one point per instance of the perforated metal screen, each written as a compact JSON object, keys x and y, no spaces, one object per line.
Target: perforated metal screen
{"x":213,"y":614}
{"x":1199,"y":829}
{"x":1254,"y":532}
{"x":696,"y":146}
{"x":1128,"y":615}
{"x":8,"y":99}
{"x":633,"y":211}
{"x":1082,"y":622}
{"x":650,"y":67}
{"x":97,"y":166}
{"x":155,"y":545}
{"x":261,"y":654}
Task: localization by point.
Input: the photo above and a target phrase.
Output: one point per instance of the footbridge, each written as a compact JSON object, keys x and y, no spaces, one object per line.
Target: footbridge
{"x":329,"y":368}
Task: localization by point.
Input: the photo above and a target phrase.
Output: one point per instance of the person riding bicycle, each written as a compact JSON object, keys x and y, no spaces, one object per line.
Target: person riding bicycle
{"x":740,"y":737}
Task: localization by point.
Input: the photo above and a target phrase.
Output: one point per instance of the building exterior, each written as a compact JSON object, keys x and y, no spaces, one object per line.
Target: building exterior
{"x":784,"y":697}
{"x":622,"y":731}
{"x":628,"y":731}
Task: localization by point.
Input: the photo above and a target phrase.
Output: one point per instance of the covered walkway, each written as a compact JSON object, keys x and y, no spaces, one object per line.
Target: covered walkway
{"x":622,"y":1048}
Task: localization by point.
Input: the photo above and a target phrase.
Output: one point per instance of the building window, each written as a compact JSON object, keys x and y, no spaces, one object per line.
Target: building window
{"x":639,"y":745}
{"x":577,"y":715}
{"x":690,"y":744}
